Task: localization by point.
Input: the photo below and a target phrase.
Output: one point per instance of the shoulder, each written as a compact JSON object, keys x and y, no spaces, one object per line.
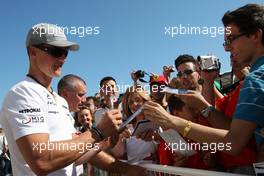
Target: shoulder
{"x":26,"y":88}
{"x":23,"y":93}
{"x":254,"y":83}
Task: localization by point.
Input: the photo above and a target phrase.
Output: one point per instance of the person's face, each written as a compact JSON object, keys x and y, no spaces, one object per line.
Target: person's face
{"x":85,"y":118}
{"x":91,"y":104}
{"x":188,"y":76}
{"x":77,"y":97}
{"x":44,"y":62}
{"x":109,"y":88}
{"x":135,"y":101}
{"x":241,"y":46}
{"x":157,"y":91}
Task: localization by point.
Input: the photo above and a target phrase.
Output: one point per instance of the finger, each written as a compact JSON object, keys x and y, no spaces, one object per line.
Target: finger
{"x":114,"y":111}
{"x":149,"y":106}
{"x":148,"y":115}
{"x":125,"y":133}
{"x":118,"y":122}
{"x":152,"y":103}
{"x":117,"y":117}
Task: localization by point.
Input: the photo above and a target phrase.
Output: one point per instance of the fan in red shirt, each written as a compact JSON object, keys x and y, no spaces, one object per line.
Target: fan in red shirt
{"x":227,"y":105}
{"x":200,"y":160}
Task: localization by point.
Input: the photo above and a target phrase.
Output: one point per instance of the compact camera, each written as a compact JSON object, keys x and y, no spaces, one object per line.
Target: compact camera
{"x":208,"y":63}
{"x":169,"y":68}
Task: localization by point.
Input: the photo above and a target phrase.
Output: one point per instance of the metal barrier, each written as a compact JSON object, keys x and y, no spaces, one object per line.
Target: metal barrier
{"x":163,"y":170}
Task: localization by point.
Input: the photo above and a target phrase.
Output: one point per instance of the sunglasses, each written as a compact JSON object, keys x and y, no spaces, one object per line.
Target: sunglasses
{"x":232,"y":38}
{"x":53,"y":51}
{"x":185,"y":72}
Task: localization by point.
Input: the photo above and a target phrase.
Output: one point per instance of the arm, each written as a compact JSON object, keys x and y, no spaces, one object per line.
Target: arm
{"x":91,"y":153}
{"x":217,"y":94}
{"x":119,"y":149}
{"x":106,"y":162}
{"x":43,"y":160}
{"x":103,"y":145}
{"x":198,"y":103}
{"x":219,"y":120}
{"x":233,"y":138}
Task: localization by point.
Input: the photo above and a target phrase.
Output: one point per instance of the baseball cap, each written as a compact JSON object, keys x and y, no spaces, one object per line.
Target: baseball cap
{"x":160,"y":79}
{"x":44,"y":33}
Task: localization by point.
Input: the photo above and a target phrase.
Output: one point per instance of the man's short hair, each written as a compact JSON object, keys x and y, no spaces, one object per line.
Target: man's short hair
{"x":248,"y":19}
{"x":69,"y":82}
{"x":107,"y":78}
{"x":183,"y":59}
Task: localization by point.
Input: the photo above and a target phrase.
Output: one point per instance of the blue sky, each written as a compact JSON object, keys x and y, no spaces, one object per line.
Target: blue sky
{"x":131,"y":35}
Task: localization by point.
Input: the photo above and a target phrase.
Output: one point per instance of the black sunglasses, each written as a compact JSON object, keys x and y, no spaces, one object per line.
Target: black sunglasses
{"x":232,"y":38}
{"x":53,"y":51}
{"x":186,"y":72}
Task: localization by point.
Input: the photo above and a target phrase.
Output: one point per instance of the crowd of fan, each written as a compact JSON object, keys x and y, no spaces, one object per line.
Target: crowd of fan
{"x":188,"y":107}
{"x":149,"y":146}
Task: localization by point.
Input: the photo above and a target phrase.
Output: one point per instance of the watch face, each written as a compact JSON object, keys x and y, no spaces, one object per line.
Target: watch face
{"x":206,"y":111}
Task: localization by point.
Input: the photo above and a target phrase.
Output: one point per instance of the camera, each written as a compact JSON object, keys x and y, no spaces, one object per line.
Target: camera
{"x":169,"y":68}
{"x":140,"y":74}
{"x":208,"y":63}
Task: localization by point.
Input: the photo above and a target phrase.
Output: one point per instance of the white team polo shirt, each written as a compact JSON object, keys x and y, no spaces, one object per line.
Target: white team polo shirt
{"x":29,"y":108}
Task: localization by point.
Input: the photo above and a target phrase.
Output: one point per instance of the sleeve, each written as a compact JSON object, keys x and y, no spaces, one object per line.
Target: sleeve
{"x":26,"y":114}
{"x":250,"y":105}
{"x":221,"y":103}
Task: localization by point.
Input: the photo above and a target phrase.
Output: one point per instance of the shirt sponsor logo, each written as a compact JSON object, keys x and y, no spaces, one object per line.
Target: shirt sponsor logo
{"x":33,"y":119}
{"x":31,"y":110}
{"x":53,"y":112}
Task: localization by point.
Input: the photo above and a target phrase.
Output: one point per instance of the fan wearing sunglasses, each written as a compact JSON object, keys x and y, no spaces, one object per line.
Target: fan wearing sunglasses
{"x":188,"y":74}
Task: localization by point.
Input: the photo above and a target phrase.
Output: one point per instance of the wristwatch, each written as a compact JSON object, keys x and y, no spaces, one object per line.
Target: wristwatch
{"x":205,"y":112}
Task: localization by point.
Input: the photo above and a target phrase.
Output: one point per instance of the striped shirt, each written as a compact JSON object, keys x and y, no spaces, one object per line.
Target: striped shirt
{"x":250,"y":105}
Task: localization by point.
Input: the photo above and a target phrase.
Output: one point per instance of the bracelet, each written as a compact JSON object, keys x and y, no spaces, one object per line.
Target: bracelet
{"x":98,"y":132}
{"x":187,"y":128}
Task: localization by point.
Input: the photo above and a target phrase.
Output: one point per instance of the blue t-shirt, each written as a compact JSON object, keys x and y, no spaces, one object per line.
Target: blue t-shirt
{"x":250,"y":104}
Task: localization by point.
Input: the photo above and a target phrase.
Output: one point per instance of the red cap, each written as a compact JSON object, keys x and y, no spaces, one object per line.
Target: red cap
{"x":160,"y":79}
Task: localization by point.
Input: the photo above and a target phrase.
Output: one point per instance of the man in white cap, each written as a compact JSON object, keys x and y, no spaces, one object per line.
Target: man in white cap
{"x":35,"y":119}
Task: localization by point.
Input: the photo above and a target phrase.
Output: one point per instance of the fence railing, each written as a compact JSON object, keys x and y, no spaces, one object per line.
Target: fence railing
{"x":155,"y":169}
{"x":163,"y":170}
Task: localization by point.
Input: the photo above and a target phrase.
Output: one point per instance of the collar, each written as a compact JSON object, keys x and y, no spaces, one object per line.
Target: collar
{"x":257,"y":64}
{"x":37,"y":81}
